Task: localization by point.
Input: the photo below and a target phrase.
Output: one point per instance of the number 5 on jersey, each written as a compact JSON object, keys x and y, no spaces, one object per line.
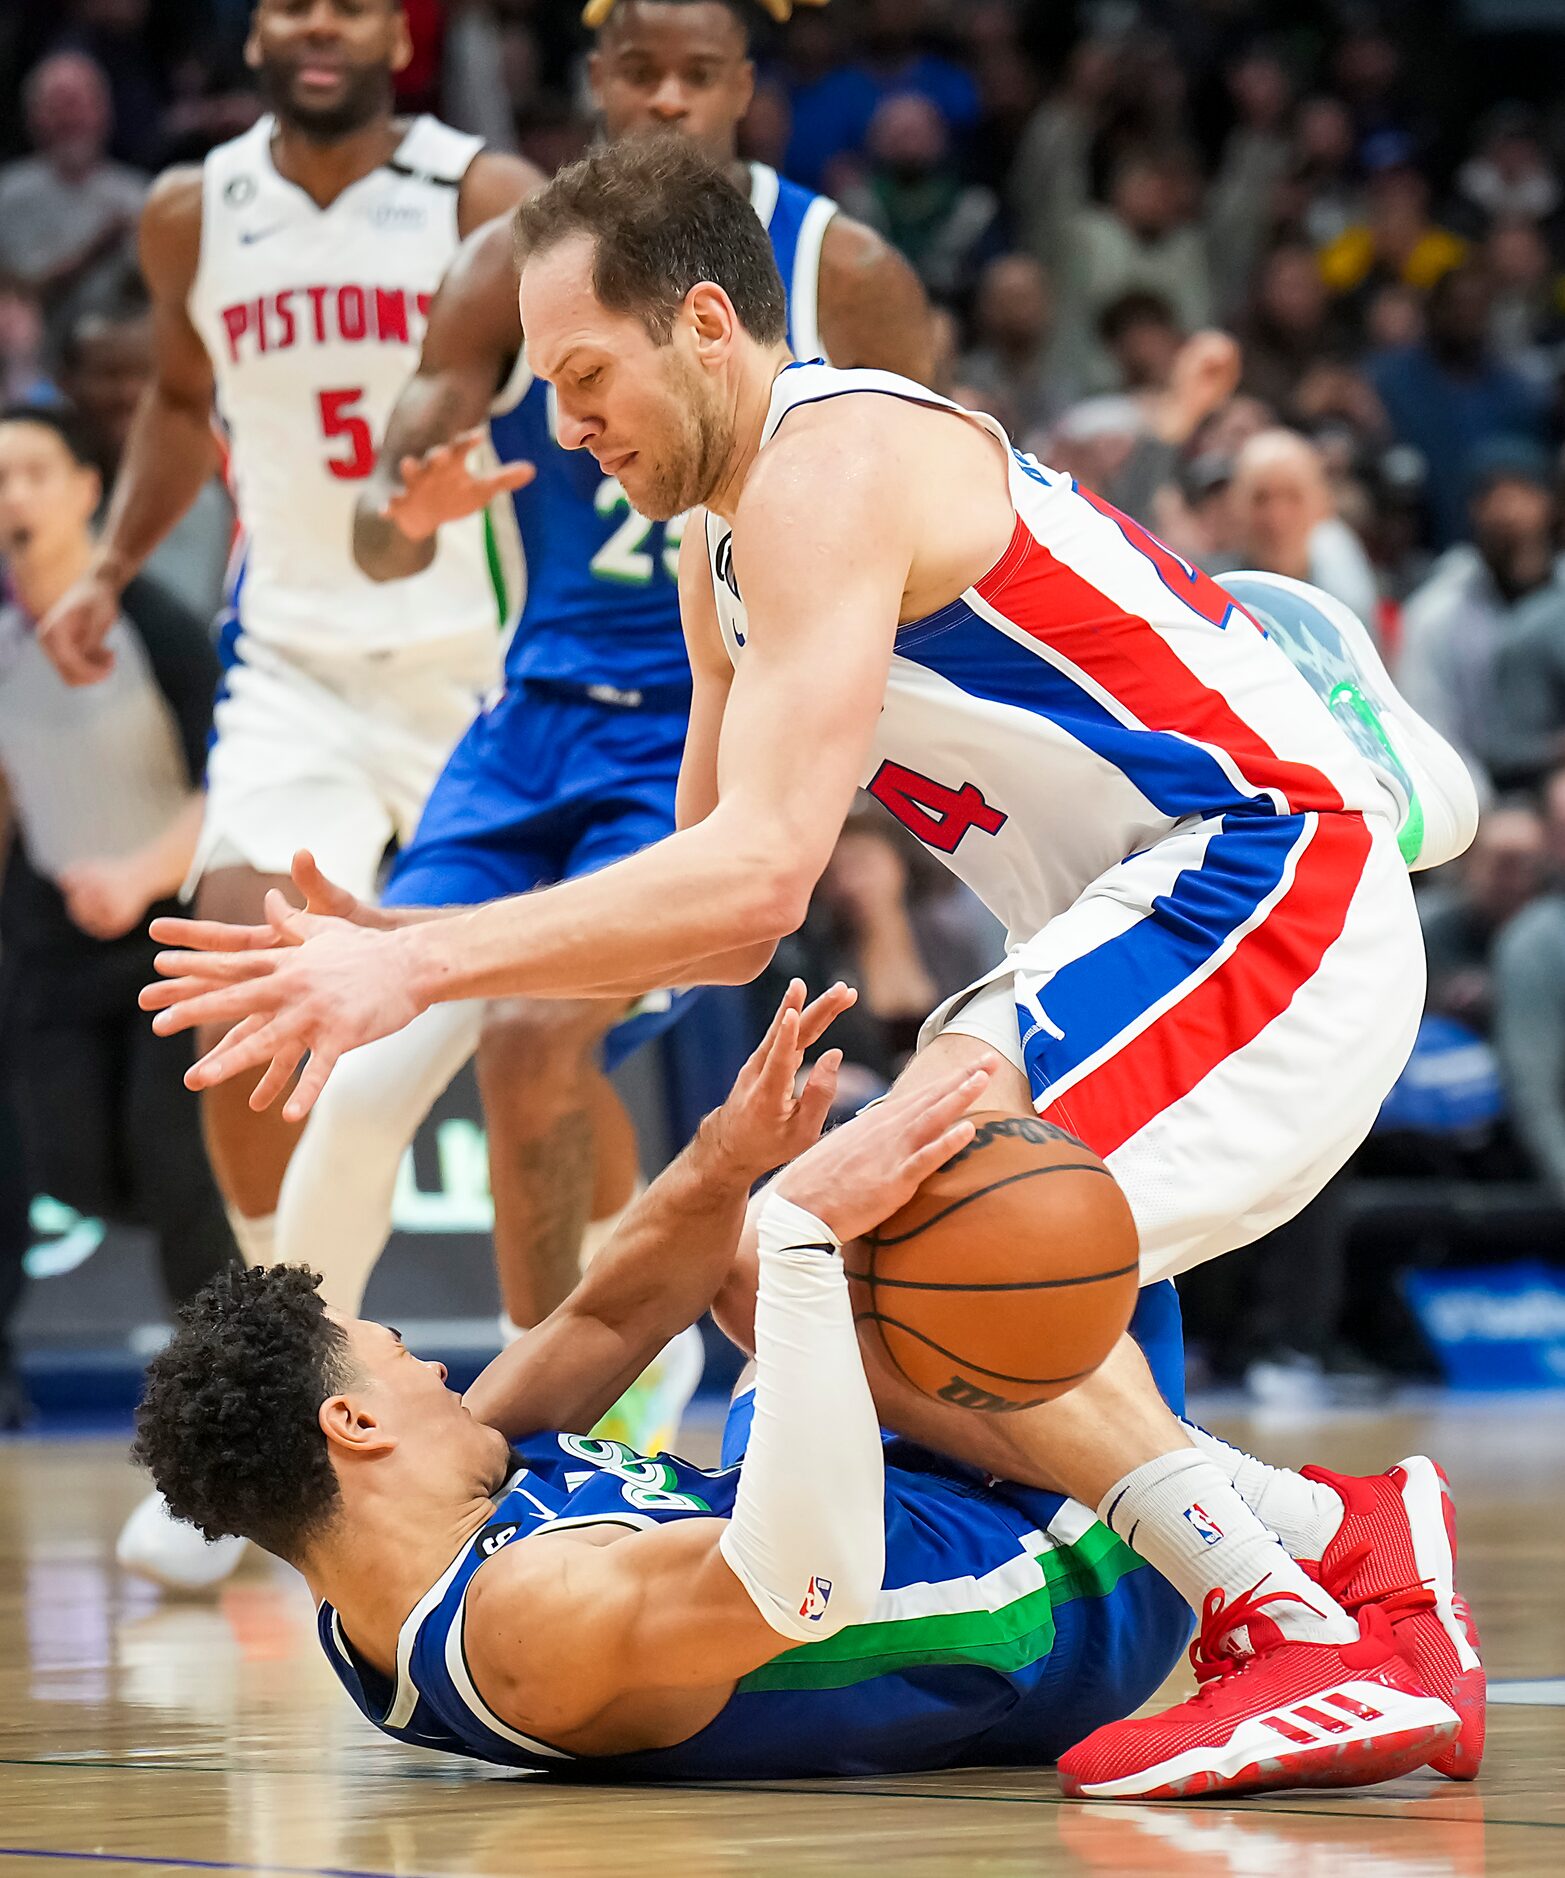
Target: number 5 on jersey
{"x":341,"y":424}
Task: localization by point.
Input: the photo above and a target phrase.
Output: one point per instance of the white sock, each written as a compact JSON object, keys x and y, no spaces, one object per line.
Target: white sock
{"x":600,"y":1231}
{"x":1185,"y":1519}
{"x":1305,"y":1514}
{"x":256,"y":1237}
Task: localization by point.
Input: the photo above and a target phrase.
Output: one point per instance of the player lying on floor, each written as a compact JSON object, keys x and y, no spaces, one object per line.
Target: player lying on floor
{"x":834,"y":1603}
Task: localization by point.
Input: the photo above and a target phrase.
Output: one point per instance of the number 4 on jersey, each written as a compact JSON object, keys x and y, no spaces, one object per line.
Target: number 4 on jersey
{"x":938,"y":815}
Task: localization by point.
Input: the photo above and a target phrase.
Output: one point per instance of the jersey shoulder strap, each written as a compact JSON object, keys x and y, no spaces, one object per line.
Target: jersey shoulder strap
{"x":812,"y":382}
{"x":435,"y":152}
{"x":797,"y":220}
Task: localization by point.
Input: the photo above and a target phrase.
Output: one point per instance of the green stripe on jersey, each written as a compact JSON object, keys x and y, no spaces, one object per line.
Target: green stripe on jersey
{"x":1003,"y":1621}
{"x":496,"y":571}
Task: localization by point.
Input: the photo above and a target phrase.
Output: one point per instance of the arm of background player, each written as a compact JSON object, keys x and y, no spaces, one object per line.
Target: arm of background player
{"x":495,"y":183}
{"x":873,"y":308}
{"x":172,"y":448}
{"x":470,"y":344}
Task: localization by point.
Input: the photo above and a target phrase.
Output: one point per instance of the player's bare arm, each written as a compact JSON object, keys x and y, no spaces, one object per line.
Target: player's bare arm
{"x":172,"y":448}
{"x":672,"y":1252}
{"x":873,"y":308}
{"x":825,"y":545}
{"x":423,"y":477}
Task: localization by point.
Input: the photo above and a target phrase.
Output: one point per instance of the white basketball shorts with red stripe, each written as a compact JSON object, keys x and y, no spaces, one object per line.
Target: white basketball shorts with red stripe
{"x":1219,"y":1017}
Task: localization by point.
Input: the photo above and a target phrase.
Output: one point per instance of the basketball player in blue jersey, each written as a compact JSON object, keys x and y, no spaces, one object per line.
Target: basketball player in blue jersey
{"x":1200,"y":847}
{"x":825,"y":1604}
{"x":576,"y":765}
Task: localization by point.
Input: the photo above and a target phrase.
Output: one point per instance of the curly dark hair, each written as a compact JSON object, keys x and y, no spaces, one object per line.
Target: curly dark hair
{"x":228,"y":1425}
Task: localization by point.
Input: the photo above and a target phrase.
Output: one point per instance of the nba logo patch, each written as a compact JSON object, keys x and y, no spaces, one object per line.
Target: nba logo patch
{"x":816,"y":1599}
{"x":1204,"y":1523}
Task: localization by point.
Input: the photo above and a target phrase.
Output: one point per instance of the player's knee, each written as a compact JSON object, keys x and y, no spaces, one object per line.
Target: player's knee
{"x":539,"y":1039}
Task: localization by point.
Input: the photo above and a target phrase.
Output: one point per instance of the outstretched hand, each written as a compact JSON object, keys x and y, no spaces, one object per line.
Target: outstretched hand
{"x":314,"y":981}
{"x":768,"y":1118}
{"x":442,"y":486}
{"x":855,"y":1178}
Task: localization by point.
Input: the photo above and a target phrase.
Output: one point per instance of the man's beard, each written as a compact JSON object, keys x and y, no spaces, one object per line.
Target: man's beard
{"x":367,"y":94}
{"x":688,"y":477}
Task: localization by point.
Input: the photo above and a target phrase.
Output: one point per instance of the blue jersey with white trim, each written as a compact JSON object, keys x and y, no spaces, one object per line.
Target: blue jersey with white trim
{"x":1087,"y":697}
{"x":602,"y":582}
{"x":1010,"y":1624}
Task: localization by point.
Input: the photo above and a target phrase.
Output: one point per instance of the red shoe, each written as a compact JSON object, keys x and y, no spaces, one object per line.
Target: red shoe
{"x":1397,"y":1549}
{"x":1286,"y":1715}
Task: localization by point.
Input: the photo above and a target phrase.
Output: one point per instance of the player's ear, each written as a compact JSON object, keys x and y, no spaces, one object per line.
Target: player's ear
{"x":712,"y":314}
{"x":401,"y":42}
{"x":594,"y":77}
{"x":253,"y":45}
{"x":746,"y":87}
{"x":350,"y":1428}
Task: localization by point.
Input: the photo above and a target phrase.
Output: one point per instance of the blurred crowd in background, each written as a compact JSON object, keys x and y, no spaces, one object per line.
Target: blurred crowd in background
{"x":1285,"y":281}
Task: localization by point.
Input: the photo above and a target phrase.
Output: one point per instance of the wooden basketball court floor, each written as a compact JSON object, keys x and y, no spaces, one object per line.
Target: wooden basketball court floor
{"x":139,"y":1736}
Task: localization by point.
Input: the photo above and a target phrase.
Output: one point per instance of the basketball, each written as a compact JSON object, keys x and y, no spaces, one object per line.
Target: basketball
{"x":1010,"y":1274}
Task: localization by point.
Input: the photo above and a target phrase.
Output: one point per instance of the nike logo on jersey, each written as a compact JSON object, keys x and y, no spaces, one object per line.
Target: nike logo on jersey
{"x":249,"y":235}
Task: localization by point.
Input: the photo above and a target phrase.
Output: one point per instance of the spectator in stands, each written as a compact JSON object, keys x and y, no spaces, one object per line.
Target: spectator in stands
{"x":1255,"y":160}
{"x":1049,"y":179}
{"x":1451,"y":394}
{"x":897,"y":926}
{"x":1289,"y":326}
{"x":105,"y":363}
{"x":1455,"y":624}
{"x":1008,"y":369}
{"x":1398,"y":239}
{"x":1527,"y":729}
{"x":1321,"y":196}
{"x":23,"y":376}
{"x":1139,"y":332}
{"x":1509,"y":176}
{"x":915,"y":196}
{"x":1140,"y":239}
{"x":1287,"y":521}
{"x":143,"y":51}
{"x":1528,"y":317}
{"x":1503,"y":871}
{"x":67,"y":213}
{"x":1529,"y":987}
{"x":896,"y":62}
{"x":103,"y":787}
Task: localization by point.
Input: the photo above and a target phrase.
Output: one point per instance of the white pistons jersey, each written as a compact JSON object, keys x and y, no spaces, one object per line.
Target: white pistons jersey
{"x":313,"y":319}
{"x":1088,"y":697}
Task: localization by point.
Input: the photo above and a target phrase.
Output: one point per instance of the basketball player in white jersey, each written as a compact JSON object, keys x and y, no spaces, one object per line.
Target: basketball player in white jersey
{"x":291,"y":276}
{"x":1215,"y":970}
{"x":598,"y":644}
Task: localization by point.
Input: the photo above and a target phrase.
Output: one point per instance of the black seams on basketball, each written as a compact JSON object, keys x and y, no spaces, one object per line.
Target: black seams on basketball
{"x":1010,"y":1274}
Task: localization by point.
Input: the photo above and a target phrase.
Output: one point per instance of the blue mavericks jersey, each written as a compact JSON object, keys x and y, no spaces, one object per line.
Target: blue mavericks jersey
{"x":602,"y":601}
{"x":1010,"y":1624}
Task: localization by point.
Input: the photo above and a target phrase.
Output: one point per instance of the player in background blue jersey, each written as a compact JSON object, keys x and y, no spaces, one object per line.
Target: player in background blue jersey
{"x":567,"y":1600}
{"x":575,"y":765}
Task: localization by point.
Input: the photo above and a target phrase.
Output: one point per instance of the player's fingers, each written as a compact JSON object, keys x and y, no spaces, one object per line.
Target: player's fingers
{"x":933,"y":1155}
{"x":792,"y":1000}
{"x":227,"y":1059}
{"x":936,"y":1106}
{"x":816,"y":1098}
{"x":274,"y":1081}
{"x":228,"y":1006}
{"x":516,"y":475}
{"x":210,"y":935}
{"x":225,"y":968}
{"x":321,"y":1064}
{"x":817,"y":1018}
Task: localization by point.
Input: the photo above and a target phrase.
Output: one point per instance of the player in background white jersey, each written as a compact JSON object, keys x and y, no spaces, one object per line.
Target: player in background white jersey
{"x":1215,"y":963}
{"x":291,"y":275}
